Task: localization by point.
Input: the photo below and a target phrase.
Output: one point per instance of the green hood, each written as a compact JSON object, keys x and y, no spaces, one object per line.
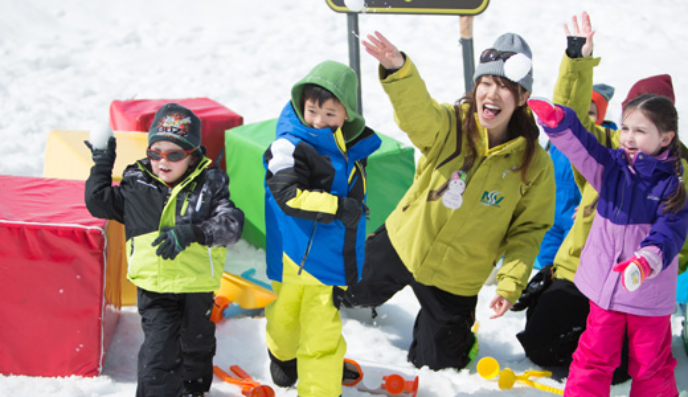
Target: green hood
{"x":340,"y":80}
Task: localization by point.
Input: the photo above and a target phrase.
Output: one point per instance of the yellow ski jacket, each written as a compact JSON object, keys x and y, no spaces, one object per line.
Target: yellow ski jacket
{"x":455,"y":248}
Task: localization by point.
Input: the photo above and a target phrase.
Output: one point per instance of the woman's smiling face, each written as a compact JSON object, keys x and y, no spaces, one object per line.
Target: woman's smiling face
{"x":495,"y":104}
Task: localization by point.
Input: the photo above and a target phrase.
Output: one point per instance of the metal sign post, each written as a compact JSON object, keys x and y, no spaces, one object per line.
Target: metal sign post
{"x":466,"y":24}
{"x":355,"y":54}
{"x":466,"y":8}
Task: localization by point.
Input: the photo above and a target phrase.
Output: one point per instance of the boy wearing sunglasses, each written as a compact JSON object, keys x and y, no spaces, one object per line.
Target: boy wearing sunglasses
{"x":315,"y":199}
{"x":178,"y":221}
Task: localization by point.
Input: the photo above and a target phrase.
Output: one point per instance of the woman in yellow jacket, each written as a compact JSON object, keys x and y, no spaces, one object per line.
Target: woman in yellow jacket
{"x":483,"y":190}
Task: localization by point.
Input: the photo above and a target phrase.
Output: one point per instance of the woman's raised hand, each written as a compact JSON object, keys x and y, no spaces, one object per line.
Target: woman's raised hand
{"x":385,"y":52}
{"x":584,"y":31}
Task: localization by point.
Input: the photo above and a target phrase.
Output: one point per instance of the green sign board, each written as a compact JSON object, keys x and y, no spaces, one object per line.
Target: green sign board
{"x":446,"y":7}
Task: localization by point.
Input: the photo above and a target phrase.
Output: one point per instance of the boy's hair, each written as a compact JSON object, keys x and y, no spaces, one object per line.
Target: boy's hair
{"x":521,"y":123}
{"x":661,"y":111}
{"x":317,"y":94}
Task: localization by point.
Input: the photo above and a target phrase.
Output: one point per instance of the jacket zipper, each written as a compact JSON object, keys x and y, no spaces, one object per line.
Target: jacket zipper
{"x":212,"y":267}
{"x":308,"y":247}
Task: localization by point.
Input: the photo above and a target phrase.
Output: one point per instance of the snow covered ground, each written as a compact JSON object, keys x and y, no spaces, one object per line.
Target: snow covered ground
{"x":64,"y":62}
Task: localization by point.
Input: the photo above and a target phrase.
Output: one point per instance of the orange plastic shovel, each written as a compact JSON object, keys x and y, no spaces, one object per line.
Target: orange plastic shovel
{"x":249,"y":387}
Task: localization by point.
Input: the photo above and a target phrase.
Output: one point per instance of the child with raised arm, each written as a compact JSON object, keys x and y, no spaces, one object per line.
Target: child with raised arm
{"x":315,"y":223}
{"x":628,"y":267}
{"x":178,"y":221}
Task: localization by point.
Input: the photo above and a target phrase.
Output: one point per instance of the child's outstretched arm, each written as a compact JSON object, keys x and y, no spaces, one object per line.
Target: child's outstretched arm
{"x":573,"y":87}
{"x":102,"y":199}
{"x":566,"y":132}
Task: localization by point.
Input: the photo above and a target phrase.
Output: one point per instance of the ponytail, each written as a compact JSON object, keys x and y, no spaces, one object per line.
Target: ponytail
{"x":677,"y":199}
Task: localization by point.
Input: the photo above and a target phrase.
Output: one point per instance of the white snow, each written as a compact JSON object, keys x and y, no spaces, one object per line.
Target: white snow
{"x":64,"y":62}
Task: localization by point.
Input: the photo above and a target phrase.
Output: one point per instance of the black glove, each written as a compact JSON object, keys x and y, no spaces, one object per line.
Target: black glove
{"x":536,"y":286}
{"x":340,"y":298}
{"x":349,"y":211}
{"x":173,"y":240}
{"x":104,"y":156}
{"x":574,"y":46}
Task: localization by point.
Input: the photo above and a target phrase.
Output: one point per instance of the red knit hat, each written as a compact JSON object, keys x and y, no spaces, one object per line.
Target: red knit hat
{"x":660,"y":85}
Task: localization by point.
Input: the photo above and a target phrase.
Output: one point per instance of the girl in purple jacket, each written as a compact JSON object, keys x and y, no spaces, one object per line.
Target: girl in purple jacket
{"x":629,"y":264}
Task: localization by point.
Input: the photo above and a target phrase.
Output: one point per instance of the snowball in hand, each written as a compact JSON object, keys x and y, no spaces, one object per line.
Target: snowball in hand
{"x":354,"y":5}
{"x":99,"y":136}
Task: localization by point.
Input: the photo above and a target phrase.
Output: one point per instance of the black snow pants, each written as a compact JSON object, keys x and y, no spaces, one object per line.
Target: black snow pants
{"x":442,"y":336}
{"x":178,"y":346}
{"x":554,"y":325}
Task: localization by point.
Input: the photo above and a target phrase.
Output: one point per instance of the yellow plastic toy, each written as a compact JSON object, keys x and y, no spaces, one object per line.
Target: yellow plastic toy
{"x":247,"y":294}
{"x":488,"y":368}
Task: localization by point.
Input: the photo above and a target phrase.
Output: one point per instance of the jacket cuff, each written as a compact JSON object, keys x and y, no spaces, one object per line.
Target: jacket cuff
{"x":569,"y":64}
{"x":199,"y":235}
{"x":653,"y":255}
{"x":400,"y":73}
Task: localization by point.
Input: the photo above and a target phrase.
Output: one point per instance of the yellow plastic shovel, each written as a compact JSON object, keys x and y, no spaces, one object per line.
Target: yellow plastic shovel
{"x":488,"y":368}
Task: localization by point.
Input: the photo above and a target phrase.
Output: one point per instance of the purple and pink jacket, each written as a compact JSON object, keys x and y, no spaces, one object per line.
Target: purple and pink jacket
{"x":629,"y":217}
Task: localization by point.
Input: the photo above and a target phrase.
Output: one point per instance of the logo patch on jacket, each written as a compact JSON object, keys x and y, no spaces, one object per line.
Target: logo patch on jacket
{"x":492,"y":198}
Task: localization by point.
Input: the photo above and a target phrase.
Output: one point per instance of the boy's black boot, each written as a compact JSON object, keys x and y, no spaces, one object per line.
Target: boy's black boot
{"x":283,"y":372}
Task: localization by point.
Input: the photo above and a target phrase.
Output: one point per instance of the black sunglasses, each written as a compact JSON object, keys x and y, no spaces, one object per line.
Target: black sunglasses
{"x":491,"y":55}
{"x":172,"y":155}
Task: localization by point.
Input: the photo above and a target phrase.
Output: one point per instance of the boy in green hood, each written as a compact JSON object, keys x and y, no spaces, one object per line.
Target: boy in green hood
{"x":315,"y":197}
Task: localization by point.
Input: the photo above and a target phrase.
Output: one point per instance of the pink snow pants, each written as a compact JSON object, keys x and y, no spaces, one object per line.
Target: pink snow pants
{"x":651,"y":364}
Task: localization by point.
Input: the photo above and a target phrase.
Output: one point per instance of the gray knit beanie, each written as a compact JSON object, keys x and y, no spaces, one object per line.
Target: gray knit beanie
{"x":517,"y":67}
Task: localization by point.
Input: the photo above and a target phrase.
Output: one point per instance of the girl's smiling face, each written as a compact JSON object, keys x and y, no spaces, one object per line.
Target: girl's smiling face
{"x":169,"y":171}
{"x":640,"y":134}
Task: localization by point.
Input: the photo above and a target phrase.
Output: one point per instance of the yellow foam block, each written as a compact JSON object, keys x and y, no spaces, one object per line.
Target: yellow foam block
{"x":67,"y":157}
{"x":244,"y":293}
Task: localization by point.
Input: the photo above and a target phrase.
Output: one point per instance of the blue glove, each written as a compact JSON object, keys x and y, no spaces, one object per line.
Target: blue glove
{"x":173,"y":240}
{"x":104,"y":156}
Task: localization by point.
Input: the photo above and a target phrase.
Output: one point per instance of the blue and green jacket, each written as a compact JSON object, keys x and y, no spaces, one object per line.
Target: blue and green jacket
{"x":308,"y":170}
